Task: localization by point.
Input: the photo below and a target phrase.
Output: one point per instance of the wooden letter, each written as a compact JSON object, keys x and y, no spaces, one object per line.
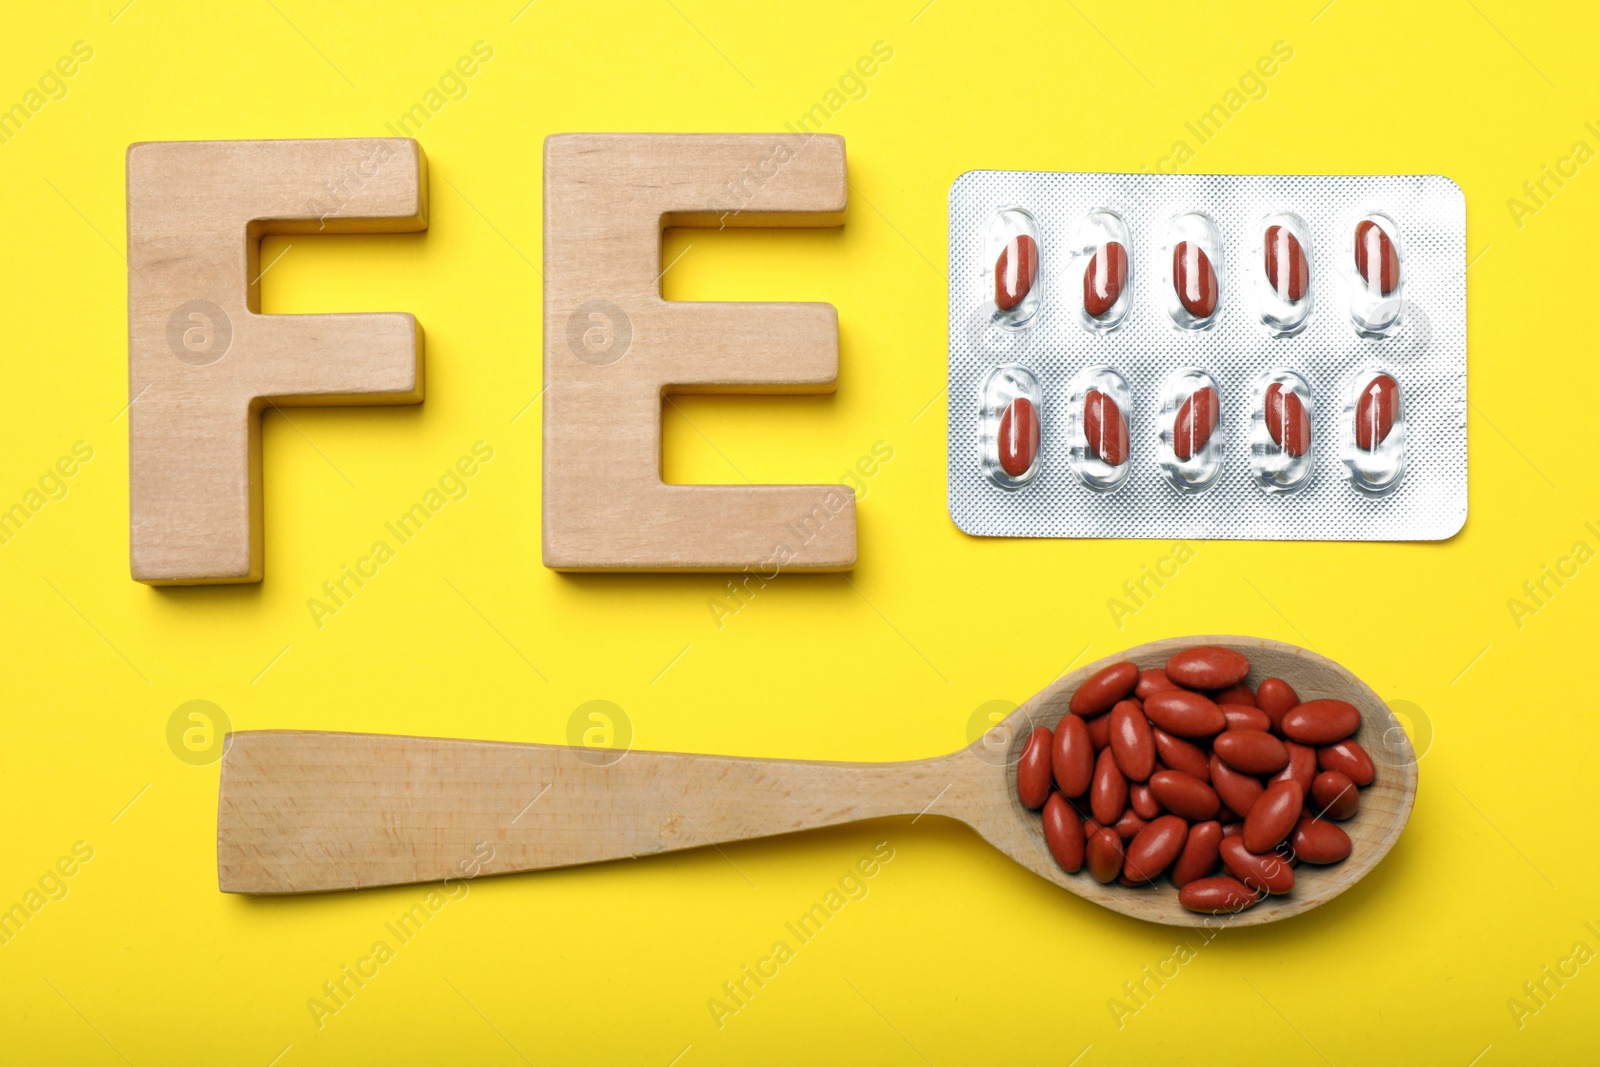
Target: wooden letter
{"x":203,"y":361}
{"x":613,"y":347}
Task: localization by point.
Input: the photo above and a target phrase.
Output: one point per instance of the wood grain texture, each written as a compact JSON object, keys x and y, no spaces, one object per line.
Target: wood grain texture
{"x":613,"y":348}
{"x":303,"y":811}
{"x":203,"y":361}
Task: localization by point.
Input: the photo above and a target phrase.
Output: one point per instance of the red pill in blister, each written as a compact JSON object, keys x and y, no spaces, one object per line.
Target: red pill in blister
{"x":1019,"y":437}
{"x":1194,"y":279}
{"x":1287,"y":420}
{"x":1195,"y":422}
{"x":1377,"y":260}
{"x":1376,"y":409}
{"x":1288,"y":271}
{"x":1015,"y":272}
{"x":1104,"y":279}
{"x":1105,"y":428}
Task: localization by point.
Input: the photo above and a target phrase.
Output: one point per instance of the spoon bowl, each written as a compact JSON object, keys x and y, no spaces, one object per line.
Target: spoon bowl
{"x":1385,"y":804}
{"x":308,"y":811}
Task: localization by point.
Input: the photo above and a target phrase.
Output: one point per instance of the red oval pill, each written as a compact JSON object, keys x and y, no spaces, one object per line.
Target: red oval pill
{"x":1302,"y":766}
{"x":1266,"y":872}
{"x":1105,"y":428}
{"x":1208,"y":667}
{"x":1154,"y":680}
{"x":1015,"y":271}
{"x":1103,"y":855}
{"x":1185,"y":714}
{"x":1321,"y":722}
{"x":1131,"y":741}
{"x":1072,"y":756}
{"x":1200,"y":853}
{"x":1276,"y":696}
{"x":1272,"y":816}
{"x":1349,"y":759}
{"x":1319,"y":841}
{"x":1019,"y":437}
{"x":1288,"y":272}
{"x":1180,"y":755}
{"x":1251,"y":751}
{"x":1108,"y":793}
{"x":1220,"y":895}
{"x":1033,"y":769}
{"x":1240,"y":694}
{"x":1287,"y":420}
{"x":1376,"y":409}
{"x":1185,"y":795}
{"x":1099,"y":732}
{"x":1063,"y":833}
{"x":1376,"y":258}
{"x":1104,"y":688}
{"x":1155,"y":848}
{"x":1104,"y":278}
{"x":1238,"y":791}
{"x":1129,"y":825}
{"x":1241,"y":717}
{"x":1143,"y":801}
{"x":1194,"y":279}
{"x":1334,"y":796}
{"x":1196,"y":420}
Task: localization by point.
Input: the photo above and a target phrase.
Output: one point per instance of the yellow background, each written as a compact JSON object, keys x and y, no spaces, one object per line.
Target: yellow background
{"x":955,"y":955}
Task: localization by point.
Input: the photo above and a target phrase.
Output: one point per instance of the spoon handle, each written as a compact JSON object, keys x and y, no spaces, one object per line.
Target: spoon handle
{"x":303,"y":811}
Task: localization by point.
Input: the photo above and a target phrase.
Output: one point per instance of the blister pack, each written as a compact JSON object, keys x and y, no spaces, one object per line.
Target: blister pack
{"x":1266,"y":357}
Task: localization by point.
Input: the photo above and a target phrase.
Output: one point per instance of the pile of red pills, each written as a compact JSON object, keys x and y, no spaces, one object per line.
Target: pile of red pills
{"x":1185,"y":771}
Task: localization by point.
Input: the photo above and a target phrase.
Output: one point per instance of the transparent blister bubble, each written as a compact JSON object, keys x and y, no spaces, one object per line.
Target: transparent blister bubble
{"x":1373,"y":431}
{"x":1099,"y":429}
{"x":1014,"y":259}
{"x":1375,"y":271}
{"x":1191,"y":262}
{"x":1281,"y":442}
{"x":1282,"y":256}
{"x":1010,"y":425}
{"x":1100,"y":270}
{"x":1193,"y":438}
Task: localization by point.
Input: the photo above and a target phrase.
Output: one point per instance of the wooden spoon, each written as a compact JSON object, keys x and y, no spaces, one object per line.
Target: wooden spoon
{"x":304,"y":811}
